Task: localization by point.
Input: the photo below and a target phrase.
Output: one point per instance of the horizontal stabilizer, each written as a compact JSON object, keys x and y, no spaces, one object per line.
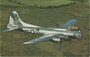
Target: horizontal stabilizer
{"x":70,"y":23}
{"x":9,"y":29}
{"x":6,"y":30}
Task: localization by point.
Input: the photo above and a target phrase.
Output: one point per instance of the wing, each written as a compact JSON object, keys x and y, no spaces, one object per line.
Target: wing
{"x":40,"y":39}
{"x":70,"y":23}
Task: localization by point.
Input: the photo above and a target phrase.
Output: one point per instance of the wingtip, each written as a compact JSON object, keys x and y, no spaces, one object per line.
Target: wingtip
{"x":28,"y":43}
{"x":5,"y":30}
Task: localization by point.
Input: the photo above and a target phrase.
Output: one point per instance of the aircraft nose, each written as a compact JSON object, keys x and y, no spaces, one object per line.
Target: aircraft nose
{"x":78,"y":35}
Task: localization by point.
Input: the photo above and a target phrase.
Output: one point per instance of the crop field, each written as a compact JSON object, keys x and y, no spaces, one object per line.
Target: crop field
{"x":12,"y":42}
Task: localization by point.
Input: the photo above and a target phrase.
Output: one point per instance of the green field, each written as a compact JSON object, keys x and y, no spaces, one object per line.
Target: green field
{"x":45,"y":2}
{"x":39,"y":3}
{"x":12,"y":42}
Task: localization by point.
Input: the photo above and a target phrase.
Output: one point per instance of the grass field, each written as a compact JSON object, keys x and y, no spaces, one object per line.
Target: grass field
{"x":45,"y":2}
{"x":12,"y":42}
{"x":37,"y":3}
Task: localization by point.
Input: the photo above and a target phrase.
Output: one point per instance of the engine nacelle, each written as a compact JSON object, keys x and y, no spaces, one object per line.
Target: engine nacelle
{"x":56,"y":39}
{"x":59,"y":37}
{"x":73,"y":28}
{"x":63,"y":37}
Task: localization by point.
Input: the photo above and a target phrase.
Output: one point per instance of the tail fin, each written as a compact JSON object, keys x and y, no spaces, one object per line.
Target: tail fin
{"x":14,"y":22}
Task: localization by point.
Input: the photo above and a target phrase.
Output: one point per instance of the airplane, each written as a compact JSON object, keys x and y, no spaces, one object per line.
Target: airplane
{"x":69,"y":30}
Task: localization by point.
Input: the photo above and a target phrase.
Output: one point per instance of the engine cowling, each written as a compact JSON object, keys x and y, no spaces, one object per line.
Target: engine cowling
{"x":73,"y":28}
{"x":59,"y":37}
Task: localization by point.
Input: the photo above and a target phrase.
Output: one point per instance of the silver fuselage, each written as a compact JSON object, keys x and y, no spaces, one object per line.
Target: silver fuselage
{"x":61,"y":31}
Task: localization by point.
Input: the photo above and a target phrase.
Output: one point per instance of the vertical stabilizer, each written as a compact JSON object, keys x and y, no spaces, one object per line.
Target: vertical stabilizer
{"x":15,"y":22}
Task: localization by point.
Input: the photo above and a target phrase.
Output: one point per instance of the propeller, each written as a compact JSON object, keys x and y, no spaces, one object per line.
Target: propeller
{"x":61,"y":41}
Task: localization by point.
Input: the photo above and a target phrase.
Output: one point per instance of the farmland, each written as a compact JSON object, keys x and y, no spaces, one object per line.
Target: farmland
{"x":12,"y":42}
